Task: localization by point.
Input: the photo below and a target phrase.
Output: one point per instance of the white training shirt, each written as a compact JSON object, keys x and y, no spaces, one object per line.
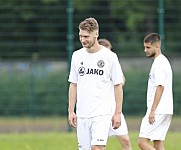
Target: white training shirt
{"x":95,"y":74}
{"x":161,"y":74}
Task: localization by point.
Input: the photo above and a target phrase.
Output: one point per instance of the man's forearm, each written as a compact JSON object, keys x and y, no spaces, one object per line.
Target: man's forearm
{"x":118,"y":97}
{"x":72,"y":97}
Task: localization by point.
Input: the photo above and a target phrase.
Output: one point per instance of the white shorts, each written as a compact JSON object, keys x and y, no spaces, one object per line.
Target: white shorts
{"x":158,"y":130}
{"x":92,"y":131}
{"x":122,"y":130}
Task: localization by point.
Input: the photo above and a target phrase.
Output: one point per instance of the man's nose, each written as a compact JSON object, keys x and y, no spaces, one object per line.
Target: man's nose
{"x":82,"y":39}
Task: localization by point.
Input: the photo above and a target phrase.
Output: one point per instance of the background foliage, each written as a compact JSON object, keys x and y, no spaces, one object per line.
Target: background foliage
{"x":42,"y":93}
{"x":40,"y":26}
{"x":33,"y":50}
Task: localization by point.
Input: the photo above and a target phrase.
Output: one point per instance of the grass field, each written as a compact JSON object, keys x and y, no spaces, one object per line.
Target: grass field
{"x":50,"y":134}
{"x":68,"y":141}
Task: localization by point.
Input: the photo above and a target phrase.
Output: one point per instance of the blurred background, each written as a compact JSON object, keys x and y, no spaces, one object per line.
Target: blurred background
{"x":37,"y":38}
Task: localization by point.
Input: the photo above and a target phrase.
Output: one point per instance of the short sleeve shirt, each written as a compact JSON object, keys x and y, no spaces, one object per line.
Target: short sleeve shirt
{"x":161,"y":74}
{"x":95,"y":75}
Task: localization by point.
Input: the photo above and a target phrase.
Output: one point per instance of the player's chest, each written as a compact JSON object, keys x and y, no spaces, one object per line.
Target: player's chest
{"x":87,"y":66}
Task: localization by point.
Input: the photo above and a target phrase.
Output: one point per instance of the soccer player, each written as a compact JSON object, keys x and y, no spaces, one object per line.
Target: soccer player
{"x":159,"y":113}
{"x":95,"y":82}
{"x":122,"y":131}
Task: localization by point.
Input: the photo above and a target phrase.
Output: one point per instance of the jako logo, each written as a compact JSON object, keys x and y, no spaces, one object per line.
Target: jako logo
{"x":82,"y":71}
{"x":95,"y":71}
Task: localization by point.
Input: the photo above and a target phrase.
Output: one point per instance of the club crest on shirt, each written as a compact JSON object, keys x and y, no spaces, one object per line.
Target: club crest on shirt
{"x":100,"y":63}
{"x":81,"y":71}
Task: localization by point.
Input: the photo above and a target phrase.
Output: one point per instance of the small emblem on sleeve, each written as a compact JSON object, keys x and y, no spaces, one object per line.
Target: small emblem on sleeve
{"x":149,"y":76}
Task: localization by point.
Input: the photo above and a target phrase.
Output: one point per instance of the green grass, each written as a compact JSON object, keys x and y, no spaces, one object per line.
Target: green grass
{"x":68,"y":141}
{"x":32,"y":134}
{"x":171,"y":142}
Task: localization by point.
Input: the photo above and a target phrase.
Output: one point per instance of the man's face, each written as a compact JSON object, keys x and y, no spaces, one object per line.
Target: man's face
{"x":87,"y":39}
{"x":150,"y":49}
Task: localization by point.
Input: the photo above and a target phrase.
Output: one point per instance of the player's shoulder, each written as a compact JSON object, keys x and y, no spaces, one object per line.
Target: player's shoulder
{"x":161,"y":59}
{"x":109,"y":52}
{"x":79,"y":52}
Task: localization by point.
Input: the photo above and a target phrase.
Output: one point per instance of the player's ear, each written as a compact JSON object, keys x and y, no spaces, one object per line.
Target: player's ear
{"x":97,"y":33}
{"x":157,"y":45}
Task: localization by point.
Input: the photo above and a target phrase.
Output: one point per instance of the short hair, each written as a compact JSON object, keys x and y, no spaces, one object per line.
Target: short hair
{"x":152,"y":38}
{"x":89,"y":24}
{"x":105,"y":43}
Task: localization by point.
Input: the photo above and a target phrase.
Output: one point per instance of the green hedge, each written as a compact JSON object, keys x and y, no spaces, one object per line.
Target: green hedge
{"x":32,"y":94}
{"x":44,"y":94}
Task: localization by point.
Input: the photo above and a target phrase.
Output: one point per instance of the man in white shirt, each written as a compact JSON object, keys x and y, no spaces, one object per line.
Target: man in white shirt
{"x":95,"y":82}
{"x":159,"y":113}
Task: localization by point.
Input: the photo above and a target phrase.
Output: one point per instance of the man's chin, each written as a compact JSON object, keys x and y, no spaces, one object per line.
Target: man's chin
{"x":149,"y":56}
{"x":85,"y":46}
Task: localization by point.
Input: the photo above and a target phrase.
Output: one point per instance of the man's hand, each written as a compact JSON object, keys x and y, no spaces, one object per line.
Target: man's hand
{"x":72,"y":119}
{"x":116,"y":120}
{"x":152,"y":117}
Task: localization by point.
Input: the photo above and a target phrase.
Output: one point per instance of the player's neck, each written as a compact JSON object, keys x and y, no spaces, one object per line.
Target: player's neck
{"x":157,"y":54}
{"x":95,"y":48}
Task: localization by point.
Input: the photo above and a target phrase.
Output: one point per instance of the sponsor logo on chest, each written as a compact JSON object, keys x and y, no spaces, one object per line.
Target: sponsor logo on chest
{"x":92,"y":71}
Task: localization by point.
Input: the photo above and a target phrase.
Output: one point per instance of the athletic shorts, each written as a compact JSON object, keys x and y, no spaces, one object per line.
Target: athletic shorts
{"x":122,"y":130}
{"x":158,"y":130}
{"x":92,"y":131}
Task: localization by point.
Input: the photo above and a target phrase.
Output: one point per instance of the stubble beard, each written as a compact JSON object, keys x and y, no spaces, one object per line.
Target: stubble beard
{"x":92,"y":43}
{"x":151,"y":55}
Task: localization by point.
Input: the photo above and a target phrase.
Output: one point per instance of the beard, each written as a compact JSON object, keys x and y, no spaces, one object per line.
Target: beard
{"x":150,"y":55}
{"x":90,"y":44}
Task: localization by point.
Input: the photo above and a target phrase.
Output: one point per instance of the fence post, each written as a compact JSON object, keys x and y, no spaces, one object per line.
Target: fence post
{"x":161,"y":12}
{"x":70,"y":37}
